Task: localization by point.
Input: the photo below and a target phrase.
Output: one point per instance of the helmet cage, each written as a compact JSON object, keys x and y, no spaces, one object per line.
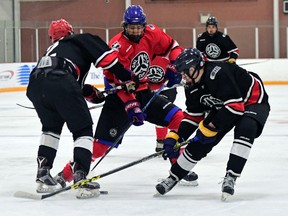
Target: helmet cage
{"x":190,"y":57}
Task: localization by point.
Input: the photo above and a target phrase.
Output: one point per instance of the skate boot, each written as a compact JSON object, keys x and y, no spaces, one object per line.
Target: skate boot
{"x":228,"y":186}
{"x":60,"y":179}
{"x":88,"y":190}
{"x":190,"y":179}
{"x":166,"y":185}
{"x":45,"y":182}
{"x":159,"y":145}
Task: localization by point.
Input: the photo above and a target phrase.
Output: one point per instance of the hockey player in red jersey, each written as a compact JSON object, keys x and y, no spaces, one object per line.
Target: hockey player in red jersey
{"x":233,"y":98}
{"x":55,"y":91}
{"x":156,"y":75}
{"x":136,"y":46}
{"x":215,"y":45}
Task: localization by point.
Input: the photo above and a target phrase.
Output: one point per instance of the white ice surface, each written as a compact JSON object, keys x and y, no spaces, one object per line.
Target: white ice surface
{"x":262,"y":189}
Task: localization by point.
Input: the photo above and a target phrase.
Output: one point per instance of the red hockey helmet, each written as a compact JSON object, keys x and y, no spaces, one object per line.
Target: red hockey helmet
{"x":58,"y":29}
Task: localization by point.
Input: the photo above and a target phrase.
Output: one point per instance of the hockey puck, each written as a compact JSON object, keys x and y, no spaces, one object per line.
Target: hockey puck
{"x":104,"y":192}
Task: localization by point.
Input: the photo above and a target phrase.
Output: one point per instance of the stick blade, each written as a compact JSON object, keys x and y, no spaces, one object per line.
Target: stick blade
{"x":26,"y":195}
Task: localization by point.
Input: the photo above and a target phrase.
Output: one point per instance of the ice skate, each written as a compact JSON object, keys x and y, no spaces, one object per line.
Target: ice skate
{"x":60,"y":179}
{"x":166,"y":185}
{"x":88,"y":190}
{"x":228,"y":186}
{"x":45,"y":182}
{"x":189,"y":180}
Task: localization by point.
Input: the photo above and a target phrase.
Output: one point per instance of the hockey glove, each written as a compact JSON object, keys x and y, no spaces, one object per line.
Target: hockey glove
{"x":169,"y":144}
{"x":135,"y":114}
{"x":92,"y":94}
{"x":231,"y":60}
{"x":131,"y":85}
{"x":205,"y":135}
{"x":173,"y":77}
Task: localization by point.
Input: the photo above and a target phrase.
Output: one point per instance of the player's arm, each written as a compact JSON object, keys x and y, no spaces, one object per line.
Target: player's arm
{"x":233,"y":50}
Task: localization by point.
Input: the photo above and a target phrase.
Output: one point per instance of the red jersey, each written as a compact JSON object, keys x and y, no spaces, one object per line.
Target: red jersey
{"x":137,"y":57}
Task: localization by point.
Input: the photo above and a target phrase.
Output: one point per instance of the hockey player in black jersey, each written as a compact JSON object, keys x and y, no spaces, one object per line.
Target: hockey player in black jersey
{"x":233,"y":98}
{"x":55,"y":91}
{"x":215,"y":45}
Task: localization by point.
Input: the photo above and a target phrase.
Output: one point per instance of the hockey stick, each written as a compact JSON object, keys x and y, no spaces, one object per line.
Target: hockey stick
{"x":251,"y":63}
{"x":107,"y":91}
{"x":27,"y":107}
{"x":129,"y":125}
{"x":22,"y":194}
{"x":90,"y":108}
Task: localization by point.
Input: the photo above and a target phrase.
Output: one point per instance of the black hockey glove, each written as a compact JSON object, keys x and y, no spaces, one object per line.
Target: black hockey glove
{"x":131,"y":85}
{"x":92,"y":94}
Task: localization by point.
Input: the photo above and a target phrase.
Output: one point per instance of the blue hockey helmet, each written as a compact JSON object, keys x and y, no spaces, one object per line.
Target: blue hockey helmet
{"x":134,"y":15}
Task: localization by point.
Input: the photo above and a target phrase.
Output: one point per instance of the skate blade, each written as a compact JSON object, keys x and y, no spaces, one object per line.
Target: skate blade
{"x":188,"y":183}
{"x":42,"y":188}
{"x":83,"y":193}
{"x":225,"y":196}
{"x":157,"y":194}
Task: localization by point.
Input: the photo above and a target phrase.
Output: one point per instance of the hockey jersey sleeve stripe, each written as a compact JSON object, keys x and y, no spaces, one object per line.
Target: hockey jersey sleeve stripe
{"x":193,"y":118}
{"x":235,"y":106}
{"x":107,"y":59}
{"x":256,"y":93}
{"x":196,"y":117}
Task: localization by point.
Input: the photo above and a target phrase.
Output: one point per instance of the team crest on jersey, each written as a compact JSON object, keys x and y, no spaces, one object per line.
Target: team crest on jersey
{"x":212,"y":50}
{"x":210,"y":101}
{"x":113,"y":132}
{"x":156,"y":74}
{"x":116,"y":45}
{"x":140,"y":65}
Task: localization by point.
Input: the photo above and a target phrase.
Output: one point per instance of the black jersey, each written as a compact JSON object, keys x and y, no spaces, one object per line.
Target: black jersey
{"x":83,"y":49}
{"x":218,"y":47}
{"x":225,"y":91}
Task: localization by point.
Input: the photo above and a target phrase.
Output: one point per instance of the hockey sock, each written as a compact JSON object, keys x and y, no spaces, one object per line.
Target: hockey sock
{"x":161,"y":132}
{"x":67,"y":173}
{"x":99,"y":149}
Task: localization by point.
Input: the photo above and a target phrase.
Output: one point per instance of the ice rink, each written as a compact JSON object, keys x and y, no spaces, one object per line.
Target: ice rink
{"x":262,"y":189}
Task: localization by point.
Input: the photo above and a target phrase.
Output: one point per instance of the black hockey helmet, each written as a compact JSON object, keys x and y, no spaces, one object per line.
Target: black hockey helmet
{"x":212,"y":21}
{"x":190,"y":57}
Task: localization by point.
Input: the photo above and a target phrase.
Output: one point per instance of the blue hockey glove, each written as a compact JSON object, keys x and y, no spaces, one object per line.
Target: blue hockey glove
{"x":92,"y":94}
{"x":169,"y":144}
{"x":135,"y":114}
{"x":205,"y":135}
{"x":174,"y":78}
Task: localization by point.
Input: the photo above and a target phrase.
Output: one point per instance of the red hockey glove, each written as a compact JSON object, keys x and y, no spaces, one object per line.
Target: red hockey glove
{"x":135,"y":114}
{"x":92,"y":94}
